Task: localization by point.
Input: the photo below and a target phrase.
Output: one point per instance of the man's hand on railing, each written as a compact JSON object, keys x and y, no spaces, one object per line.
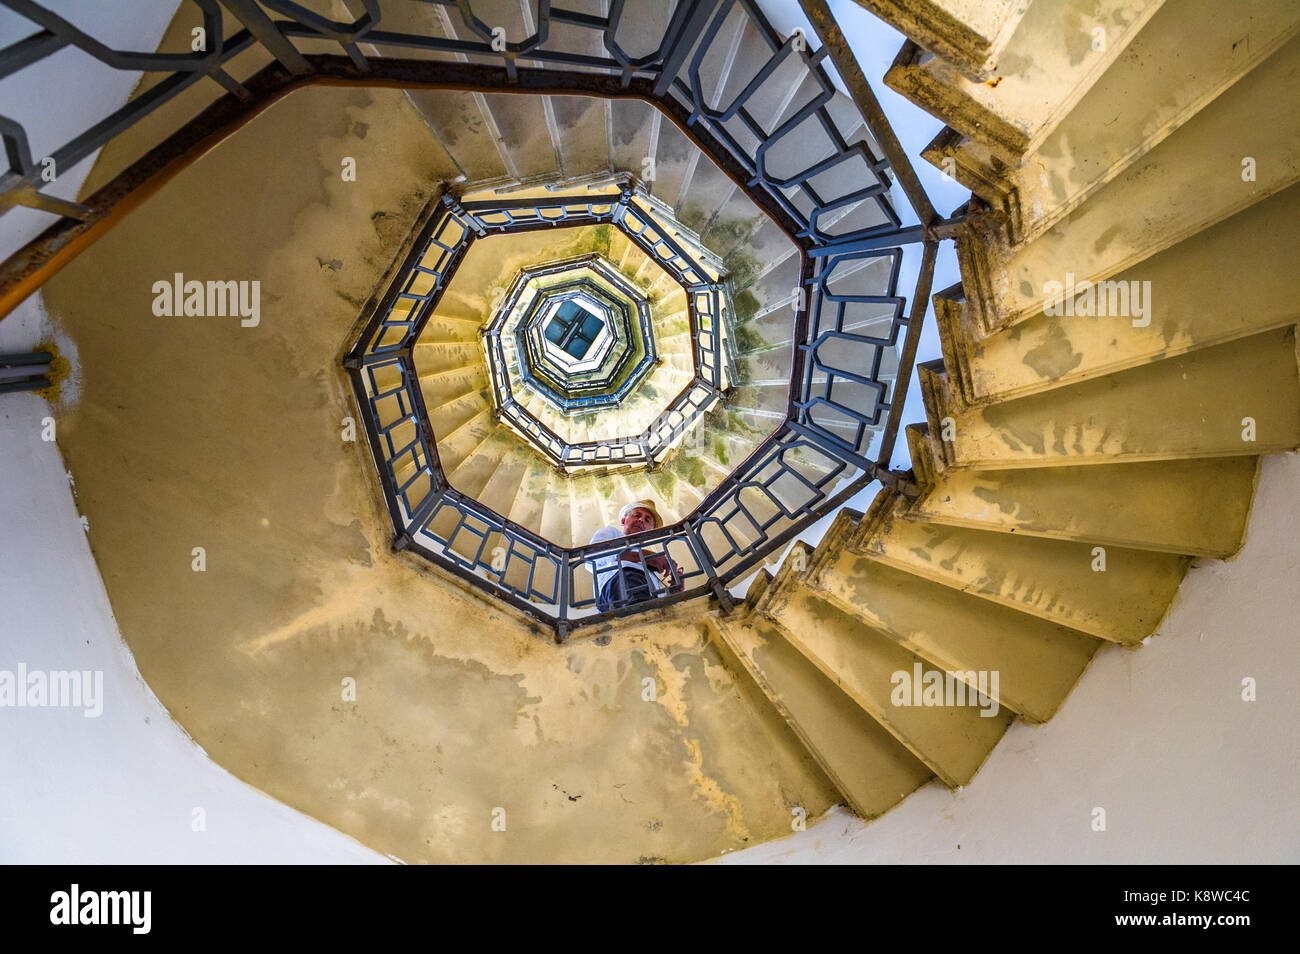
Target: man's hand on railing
{"x":662,"y":566}
{"x":677,"y":584}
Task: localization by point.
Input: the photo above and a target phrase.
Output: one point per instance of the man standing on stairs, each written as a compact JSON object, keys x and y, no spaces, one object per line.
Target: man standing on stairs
{"x":626,"y":578}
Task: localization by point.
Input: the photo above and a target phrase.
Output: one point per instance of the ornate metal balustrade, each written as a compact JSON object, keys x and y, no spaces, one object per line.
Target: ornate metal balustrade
{"x":403,"y":312}
{"x":817,"y":161}
{"x":588,"y":383}
{"x":624,"y":349}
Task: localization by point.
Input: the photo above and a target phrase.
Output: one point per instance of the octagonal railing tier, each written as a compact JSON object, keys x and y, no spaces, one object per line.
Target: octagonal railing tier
{"x":402,"y":313}
{"x":814,"y":462}
{"x":595,"y":388}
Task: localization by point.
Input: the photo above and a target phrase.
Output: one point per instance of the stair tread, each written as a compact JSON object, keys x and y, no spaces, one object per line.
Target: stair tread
{"x":1158,"y":505}
{"x":1186,"y":56}
{"x":1195,"y":308}
{"x":1038,"y":660}
{"x":445,"y":418}
{"x":526,"y":509}
{"x":871,"y":768}
{"x":472,"y":473}
{"x":1103,"y":236}
{"x":969,"y":33}
{"x":584,"y":135}
{"x":1056,"y":580}
{"x":952,"y":740}
{"x":1050,"y":62}
{"x":1175,"y":408}
{"x":455,"y":118}
{"x":503,"y":485}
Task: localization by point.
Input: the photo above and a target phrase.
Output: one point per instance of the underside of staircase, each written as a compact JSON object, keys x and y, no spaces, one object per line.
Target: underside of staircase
{"x":1077,"y":453}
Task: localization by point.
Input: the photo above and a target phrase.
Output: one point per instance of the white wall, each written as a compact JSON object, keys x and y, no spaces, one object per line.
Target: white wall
{"x":120,"y":788}
{"x":1160,"y":738}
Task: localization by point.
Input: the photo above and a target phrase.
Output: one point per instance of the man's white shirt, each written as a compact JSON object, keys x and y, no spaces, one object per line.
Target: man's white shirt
{"x":607,"y":566}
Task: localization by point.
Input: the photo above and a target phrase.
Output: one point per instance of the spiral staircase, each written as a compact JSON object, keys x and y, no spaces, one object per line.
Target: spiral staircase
{"x":1070,"y":467}
{"x":547,"y":472}
{"x":1077,"y":451}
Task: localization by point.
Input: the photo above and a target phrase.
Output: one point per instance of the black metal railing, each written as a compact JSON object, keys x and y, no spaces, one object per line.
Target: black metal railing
{"x":703,"y":300}
{"x":400,"y":316}
{"x":584,"y":383}
{"x":817,"y":161}
{"x":25,"y":372}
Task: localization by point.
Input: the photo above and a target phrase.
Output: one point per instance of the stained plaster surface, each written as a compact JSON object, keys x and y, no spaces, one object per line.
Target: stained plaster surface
{"x":197,"y":432}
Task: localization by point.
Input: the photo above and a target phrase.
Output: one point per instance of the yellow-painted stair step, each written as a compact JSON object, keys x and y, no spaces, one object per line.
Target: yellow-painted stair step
{"x":867,"y":764}
{"x":1186,"y":56}
{"x":1235,"y":398}
{"x":1038,"y":661}
{"x":1192,"y":302}
{"x":1113,"y":593}
{"x":1182,"y":186}
{"x":969,"y":33}
{"x":502,"y":487}
{"x":431,"y":357}
{"x":1198,"y":507}
{"x":473,"y":473}
{"x":953,"y":740}
{"x":446,"y":417}
{"x":1056,"y":54}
